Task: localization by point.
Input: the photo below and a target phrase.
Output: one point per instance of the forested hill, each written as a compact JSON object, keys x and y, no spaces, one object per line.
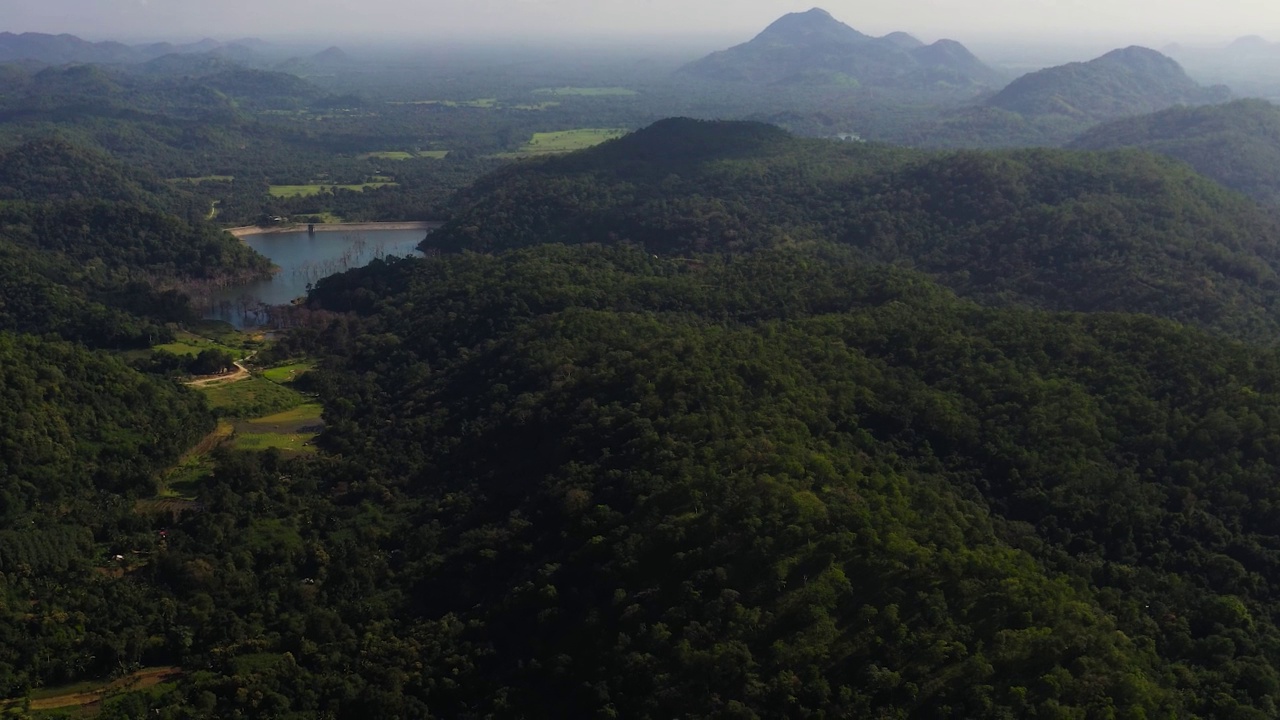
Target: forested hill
{"x":90,"y":246}
{"x":1237,"y":144}
{"x":1129,"y":81}
{"x":54,"y":168}
{"x":779,"y":484}
{"x":1064,"y":230}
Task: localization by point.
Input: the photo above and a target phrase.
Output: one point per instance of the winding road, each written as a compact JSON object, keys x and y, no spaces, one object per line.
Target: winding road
{"x":241,"y":373}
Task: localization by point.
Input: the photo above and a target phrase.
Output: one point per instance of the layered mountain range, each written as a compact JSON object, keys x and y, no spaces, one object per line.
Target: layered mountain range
{"x":46,"y":49}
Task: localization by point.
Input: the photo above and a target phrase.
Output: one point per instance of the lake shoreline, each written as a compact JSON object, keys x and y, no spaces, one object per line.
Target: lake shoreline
{"x":241,"y":232}
{"x":301,"y":260}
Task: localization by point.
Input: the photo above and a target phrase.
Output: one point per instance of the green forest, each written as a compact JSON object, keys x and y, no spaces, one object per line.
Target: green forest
{"x":715,"y":419}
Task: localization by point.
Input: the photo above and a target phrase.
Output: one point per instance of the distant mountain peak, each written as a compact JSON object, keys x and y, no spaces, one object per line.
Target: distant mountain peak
{"x":809,"y":26}
{"x":812,"y":47}
{"x":1252,"y":42}
{"x":332,"y":55}
{"x":1137,"y":53}
{"x":903,"y":40}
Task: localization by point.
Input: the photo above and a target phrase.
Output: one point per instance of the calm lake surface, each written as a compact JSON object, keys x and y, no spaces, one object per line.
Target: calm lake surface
{"x":304,"y":259}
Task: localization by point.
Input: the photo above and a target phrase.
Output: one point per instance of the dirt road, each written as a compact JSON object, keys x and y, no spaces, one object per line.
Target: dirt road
{"x":241,"y":373}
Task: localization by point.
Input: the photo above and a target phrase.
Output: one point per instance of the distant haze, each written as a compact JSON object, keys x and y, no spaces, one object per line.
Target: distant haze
{"x":1118,"y":21}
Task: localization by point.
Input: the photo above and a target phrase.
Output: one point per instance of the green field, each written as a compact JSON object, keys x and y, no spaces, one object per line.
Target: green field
{"x":290,"y":431}
{"x":253,"y":397}
{"x":306,"y":414}
{"x":587,"y":91}
{"x":288,"y":191}
{"x":187,"y":343}
{"x":287,"y":373}
{"x":563,"y":141}
{"x":293,"y":443}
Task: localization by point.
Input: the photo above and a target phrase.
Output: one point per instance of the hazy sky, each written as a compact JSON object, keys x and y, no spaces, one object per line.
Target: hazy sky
{"x":1141,"y":20}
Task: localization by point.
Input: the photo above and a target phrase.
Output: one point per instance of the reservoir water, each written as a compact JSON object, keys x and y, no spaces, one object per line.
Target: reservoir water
{"x":303,"y":260}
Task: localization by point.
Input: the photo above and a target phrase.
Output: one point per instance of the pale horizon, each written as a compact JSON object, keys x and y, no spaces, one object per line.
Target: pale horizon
{"x":1099,"y":23}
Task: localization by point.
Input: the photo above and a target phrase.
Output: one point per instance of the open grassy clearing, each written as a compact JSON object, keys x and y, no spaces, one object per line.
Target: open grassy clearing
{"x":212,"y":335}
{"x":189,"y":343}
{"x":301,"y":416}
{"x":253,"y":397}
{"x":289,"y":431}
{"x":288,"y":373}
{"x":562,"y":141}
{"x":284,"y":442}
{"x":289,"y":191}
{"x":587,"y":91}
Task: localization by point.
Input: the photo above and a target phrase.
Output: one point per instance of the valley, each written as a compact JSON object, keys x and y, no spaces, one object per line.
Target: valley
{"x":817,"y":371}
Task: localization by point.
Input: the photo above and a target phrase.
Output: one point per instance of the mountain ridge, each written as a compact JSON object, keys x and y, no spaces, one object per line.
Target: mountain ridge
{"x":813,"y":46}
{"x":67,"y":48}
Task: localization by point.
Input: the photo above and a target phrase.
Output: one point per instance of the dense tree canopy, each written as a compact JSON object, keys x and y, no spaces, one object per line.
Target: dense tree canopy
{"x":1237,"y":144}
{"x":1061,"y":230}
